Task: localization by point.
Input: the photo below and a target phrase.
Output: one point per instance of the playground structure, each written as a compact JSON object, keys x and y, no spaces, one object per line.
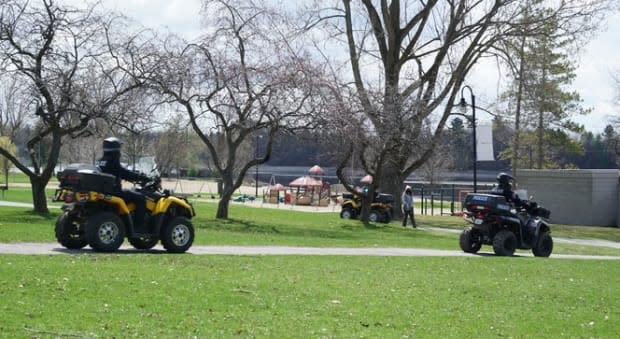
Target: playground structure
{"x":307,"y":190}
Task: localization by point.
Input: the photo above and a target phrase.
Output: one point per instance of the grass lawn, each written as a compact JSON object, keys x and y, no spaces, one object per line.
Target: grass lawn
{"x":182,"y":296}
{"x":160,"y":295}
{"x":20,"y":194}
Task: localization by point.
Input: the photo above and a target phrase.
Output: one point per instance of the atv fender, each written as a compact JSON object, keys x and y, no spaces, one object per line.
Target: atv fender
{"x":120,"y":204}
{"x":540,"y":227}
{"x":163,"y":205}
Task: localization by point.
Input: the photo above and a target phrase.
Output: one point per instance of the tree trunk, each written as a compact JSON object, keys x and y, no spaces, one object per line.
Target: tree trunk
{"x":39,"y":199}
{"x":227,"y":191}
{"x":392,"y":183}
{"x":222,"y":206}
{"x":366,"y":200}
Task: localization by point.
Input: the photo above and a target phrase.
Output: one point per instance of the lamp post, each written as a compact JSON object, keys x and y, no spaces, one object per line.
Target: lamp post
{"x":463,"y":105}
{"x":256,"y":179}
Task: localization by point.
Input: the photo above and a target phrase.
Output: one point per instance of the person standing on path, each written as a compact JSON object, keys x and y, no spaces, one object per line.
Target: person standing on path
{"x":407,"y":206}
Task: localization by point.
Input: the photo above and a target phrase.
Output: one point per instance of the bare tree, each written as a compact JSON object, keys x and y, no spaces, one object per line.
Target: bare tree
{"x":408,"y":63}
{"x":434,"y":170}
{"x":68,"y":73}
{"x":242,"y":81}
{"x":13,"y":107}
{"x":171,"y":146}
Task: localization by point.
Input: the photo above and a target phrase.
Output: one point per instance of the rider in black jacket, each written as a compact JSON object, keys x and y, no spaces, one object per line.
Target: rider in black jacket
{"x":504,"y":188}
{"x":111,"y":163}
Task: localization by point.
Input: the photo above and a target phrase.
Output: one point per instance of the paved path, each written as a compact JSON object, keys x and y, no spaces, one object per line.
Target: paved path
{"x":54,"y":248}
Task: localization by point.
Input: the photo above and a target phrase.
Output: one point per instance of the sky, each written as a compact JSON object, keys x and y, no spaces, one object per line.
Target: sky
{"x":599,"y":58}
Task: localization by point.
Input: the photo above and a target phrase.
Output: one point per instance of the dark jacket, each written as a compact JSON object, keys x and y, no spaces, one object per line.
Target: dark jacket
{"x":506,"y":192}
{"x":110,"y":163}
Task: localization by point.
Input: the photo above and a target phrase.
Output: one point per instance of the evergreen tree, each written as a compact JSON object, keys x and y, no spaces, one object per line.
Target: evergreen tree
{"x":544,"y":104}
{"x":460,"y":145}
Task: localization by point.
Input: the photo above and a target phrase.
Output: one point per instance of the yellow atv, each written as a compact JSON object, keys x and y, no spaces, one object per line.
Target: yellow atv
{"x":93,"y":215}
{"x":380,"y":209}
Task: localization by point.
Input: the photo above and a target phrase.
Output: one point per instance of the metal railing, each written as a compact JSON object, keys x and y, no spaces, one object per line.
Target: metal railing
{"x":443,"y":199}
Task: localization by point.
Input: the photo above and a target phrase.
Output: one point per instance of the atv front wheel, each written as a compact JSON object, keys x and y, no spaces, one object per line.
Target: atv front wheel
{"x":504,"y":243}
{"x":143,"y":243}
{"x":347,"y":213}
{"x":178,"y":235}
{"x":470,"y":241}
{"x":68,"y":232}
{"x":105,"y":232}
{"x":387,"y":217}
{"x":374,"y":216}
{"x":544,"y":245}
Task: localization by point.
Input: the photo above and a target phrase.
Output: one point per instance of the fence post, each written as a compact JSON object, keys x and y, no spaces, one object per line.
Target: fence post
{"x":441,"y":202}
{"x":422,"y":201}
{"x":452,"y":202}
{"x":432,"y":204}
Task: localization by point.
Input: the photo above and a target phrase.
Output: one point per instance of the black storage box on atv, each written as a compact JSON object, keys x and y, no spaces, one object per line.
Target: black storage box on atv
{"x":382,"y":198}
{"x":86,"y":178}
{"x":481,"y":201}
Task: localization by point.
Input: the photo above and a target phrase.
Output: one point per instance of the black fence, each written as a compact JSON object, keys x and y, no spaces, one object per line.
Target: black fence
{"x":444,"y":199}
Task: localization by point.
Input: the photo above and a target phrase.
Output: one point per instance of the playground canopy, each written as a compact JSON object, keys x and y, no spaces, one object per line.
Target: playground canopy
{"x":316,"y":170}
{"x":306,"y":181}
{"x":277,"y":187}
{"x":367,"y":179}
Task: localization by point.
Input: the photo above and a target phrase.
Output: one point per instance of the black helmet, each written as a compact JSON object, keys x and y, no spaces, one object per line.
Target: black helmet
{"x":504,"y":178}
{"x":112,"y":144}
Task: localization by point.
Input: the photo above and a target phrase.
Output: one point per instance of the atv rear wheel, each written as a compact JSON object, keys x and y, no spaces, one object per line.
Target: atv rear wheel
{"x":504,"y":243}
{"x":178,"y":235}
{"x":347,"y":213}
{"x":470,"y":241}
{"x":143,"y":243}
{"x":68,"y":233}
{"x":544,"y":245}
{"x":105,"y":232}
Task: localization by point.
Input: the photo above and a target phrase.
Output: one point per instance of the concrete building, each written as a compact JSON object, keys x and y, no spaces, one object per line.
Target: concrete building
{"x":575,"y":197}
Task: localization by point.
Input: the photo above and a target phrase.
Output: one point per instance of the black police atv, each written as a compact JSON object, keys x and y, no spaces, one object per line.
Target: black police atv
{"x":494,"y":224}
{"x":380,"y":209}
{"x":93,"y":215}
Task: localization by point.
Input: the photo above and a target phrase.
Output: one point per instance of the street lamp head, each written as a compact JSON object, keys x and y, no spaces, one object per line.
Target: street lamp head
{"x":463,"y":105}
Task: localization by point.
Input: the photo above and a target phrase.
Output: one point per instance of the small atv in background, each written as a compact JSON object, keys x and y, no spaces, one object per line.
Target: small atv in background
{"x":93,"y":215}
{"x":381,"y":209}
{"x":493,"y":223}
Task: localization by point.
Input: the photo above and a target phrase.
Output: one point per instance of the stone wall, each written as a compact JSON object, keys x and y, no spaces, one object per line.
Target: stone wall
{"x":580,"y":197}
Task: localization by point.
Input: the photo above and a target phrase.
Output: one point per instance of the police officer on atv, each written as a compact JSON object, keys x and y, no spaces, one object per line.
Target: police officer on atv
{"x":504,"y":188}
{"x":110,"y":163}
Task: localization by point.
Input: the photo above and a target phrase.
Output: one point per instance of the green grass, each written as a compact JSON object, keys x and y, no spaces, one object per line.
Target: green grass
{"x":20,"y":178}
{"x":283,"y":227}
{"x":129,"y":294}
{"x":182,"y":296}
{"x":21,"y":194}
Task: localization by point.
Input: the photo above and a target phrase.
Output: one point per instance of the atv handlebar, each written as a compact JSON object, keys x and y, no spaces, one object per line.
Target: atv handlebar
{"x":151,"y":184}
